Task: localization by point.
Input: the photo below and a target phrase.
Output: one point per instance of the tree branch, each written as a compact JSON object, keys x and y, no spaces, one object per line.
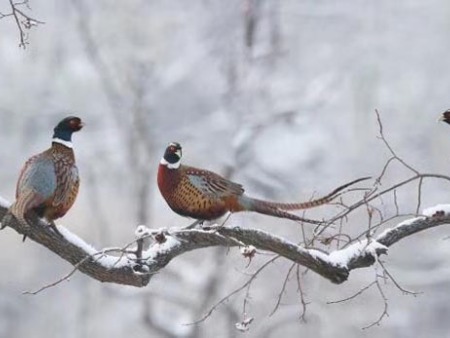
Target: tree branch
{"x":23,"y":21}
{"x":168,"y":244}
{"x":103,"y":267}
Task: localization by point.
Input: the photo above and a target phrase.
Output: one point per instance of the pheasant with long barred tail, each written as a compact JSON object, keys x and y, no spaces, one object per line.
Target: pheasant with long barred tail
{"x":48,"y":183}
{"x":204,"y":195}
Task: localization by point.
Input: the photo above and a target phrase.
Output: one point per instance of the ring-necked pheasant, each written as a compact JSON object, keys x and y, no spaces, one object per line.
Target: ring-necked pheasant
{"x":204,"y":195}
{"x":445,"y":116}
{"x":48,"y":183}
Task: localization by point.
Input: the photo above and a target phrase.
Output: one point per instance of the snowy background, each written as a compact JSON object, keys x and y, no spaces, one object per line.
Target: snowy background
{"x":288,"y":111}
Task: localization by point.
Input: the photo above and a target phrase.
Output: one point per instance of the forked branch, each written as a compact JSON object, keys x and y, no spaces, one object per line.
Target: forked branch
{"x":128,"y":267}
{"x":24,"y":22}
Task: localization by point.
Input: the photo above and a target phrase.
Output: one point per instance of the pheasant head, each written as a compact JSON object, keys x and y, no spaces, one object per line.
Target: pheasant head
{"x":62,"y":133}
{"x":172,"y":156}
{"x":445,"y":116}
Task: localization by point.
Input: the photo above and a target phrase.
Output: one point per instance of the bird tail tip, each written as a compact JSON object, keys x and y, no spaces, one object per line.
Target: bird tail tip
{"x":15,"y":211}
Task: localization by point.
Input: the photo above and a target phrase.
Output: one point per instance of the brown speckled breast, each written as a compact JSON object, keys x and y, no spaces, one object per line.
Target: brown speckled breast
{"x":187,"y":199}
{"x":67,"y":182}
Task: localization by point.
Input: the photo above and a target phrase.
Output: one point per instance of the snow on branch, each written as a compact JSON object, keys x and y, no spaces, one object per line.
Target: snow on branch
{"x":97,"y":264}
{"x":135,"y":264}
{"x":433,"y":217}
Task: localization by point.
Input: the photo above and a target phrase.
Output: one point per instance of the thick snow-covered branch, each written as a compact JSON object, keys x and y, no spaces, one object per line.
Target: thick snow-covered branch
{"x":95,"y":263}
{"x":136,"y":270}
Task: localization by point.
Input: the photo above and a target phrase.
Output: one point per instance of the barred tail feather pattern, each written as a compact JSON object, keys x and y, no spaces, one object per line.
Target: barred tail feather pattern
{"x":19,"y":208}
{"x":265,"y":209}
{"x":18,"y":214}
{"x":311,"y":204}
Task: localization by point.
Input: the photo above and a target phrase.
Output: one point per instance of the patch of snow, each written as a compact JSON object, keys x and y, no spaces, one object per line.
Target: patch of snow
{"x":342,"y":257}
{"x":145,"y":235}
{"x":110,"y":261}
{"x":249,"y":249}
{"x":104,"y":259}
{"x":75,"y":240}
{"x":408,"y":222}
{"x":374,"y":246}
{"x":244,"y":326}
{"x":430,"y":212}
{"x":142,"y":231}
{"x":318,"y":254}
{"x":385,"y":232}
{"x":399,"y":225}
{"x":143,"y":269}
{"x":4,"y":203}
{"x":160,"y":248}
{"x":211,"y":227}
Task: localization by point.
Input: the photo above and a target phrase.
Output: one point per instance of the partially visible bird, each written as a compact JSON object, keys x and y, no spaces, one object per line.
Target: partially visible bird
{"x":204,"y":195}
{"x":445,"y":116}
{"x":49,"y":181}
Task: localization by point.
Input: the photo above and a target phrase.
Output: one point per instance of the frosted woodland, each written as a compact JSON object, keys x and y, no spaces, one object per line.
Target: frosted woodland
{"x":280,"y":96}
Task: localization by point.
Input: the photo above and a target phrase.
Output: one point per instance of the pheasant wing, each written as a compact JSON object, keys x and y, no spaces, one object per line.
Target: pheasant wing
{"x":37,"y":181}
{"x":212,"y":184}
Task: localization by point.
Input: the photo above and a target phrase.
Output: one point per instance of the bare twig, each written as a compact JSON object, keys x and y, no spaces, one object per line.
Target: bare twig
{"x":419,"y":195}
{"x":283,"y":289}
{"x":72,"y":272}
{"x":397,"y":208}
{"x":302,"y":295}
{"x":23,"y":20}
{"x":391,"y":150}
{"x":385,"y":309}
{"x":354,"y":295}
{"x":403,"y":290}
{"x":358,"y":204}
{"x":231,"y":294}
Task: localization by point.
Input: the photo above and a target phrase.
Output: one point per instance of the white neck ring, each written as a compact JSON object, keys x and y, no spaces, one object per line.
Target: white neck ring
{"x":175,"y":165}
{"x":67,"y":144}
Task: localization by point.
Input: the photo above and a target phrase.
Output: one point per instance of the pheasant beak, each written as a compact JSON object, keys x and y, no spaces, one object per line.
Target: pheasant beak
{"x":178,"y":153}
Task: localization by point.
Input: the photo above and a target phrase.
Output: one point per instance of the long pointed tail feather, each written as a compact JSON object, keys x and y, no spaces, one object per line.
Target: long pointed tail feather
{"x":267,"y":210}
{"x":310,"y":204}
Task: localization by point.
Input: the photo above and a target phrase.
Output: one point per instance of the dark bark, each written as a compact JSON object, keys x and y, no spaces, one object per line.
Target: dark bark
{"x":180,"y":241}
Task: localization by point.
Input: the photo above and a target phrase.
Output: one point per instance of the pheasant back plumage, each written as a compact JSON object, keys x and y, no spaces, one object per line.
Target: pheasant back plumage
{"x":198,"y":193}
{"x":48,"y":184}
